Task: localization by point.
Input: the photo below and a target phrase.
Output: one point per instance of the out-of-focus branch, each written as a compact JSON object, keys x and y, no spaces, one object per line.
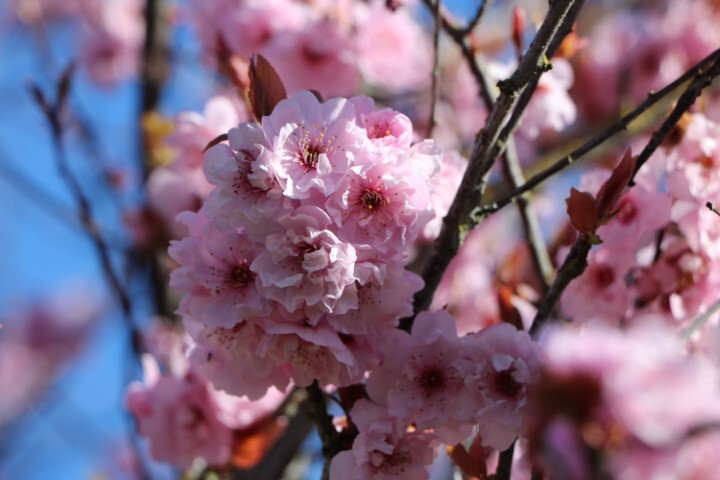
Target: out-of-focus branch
{"x":317,"y":411}
{"x":435,"y":87}
{"x":592,"y":143}
{"x":53,"y":113}
{"x":490,"y":143}
{"x":153,"y":73}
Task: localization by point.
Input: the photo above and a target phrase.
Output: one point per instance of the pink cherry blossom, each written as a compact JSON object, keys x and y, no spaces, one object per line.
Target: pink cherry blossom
{"x":308,"y":267}
{"x":229,"y":358}
{"x":498,"y":365}
{"x":392,"y":49}
{"x":313,"y":143}
{"x":215,"y":274}
{"x":384,"y":448}
{"x":181,"y":417}
{"x":601,"y":292}
{"x":419,"y":379}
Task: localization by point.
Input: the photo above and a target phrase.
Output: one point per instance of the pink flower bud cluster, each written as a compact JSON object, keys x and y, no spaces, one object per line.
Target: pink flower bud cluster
{"x":294,"y":266}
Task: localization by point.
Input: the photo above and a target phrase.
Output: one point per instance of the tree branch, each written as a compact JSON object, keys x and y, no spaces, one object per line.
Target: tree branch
{"x":436,"y":67}
{"x":576,"y":261}
{"x":592,"y":143}
{"x":489,"y":144}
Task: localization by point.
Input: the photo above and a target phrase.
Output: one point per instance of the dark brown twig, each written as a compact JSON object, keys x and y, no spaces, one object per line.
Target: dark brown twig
{"x":574,"y":265}
{"x":576,"y":261}
{"x":317,"y":411}
{"x":592,"y":143}
{"x":489,"y":144}
{"x":712,"y":208}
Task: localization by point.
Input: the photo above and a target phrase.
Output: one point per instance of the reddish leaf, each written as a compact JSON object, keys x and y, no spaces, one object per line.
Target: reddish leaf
{"x":471,"y":466}
{"x":266,"y":88}
{"x":614,"y":186}
{"x":220,"y":138}
{"x":252,"y":444}
{"x":508,"y":312}
{"x":582,"y":210}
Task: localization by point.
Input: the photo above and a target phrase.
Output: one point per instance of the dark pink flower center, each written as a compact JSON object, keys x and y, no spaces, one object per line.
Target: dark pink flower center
{"x":240,"y":276}
{"x":372,"y":200}
{"x":431,"y":379}
{"x":505,"y":383}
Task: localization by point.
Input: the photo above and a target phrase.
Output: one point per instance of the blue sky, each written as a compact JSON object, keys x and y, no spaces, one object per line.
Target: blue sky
{"x":80,"y":421}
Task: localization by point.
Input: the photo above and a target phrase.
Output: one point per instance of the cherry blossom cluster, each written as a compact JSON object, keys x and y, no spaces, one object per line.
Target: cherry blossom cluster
{"x":435,"y":387}
{"x":294,"y":266}
{"x":324,"y":45}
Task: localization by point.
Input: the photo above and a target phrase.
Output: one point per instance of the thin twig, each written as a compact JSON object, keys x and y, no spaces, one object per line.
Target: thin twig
{"x":317,"y":411}
{"x":576,"y":261}
{"x":703,"y":78}
{"x":489,"y":144}
{"x":592,"y":143}
{"x":512,"y":171}
{"x":700,"y":321}
{"x":475,"y":20}
{"x":712,"y":208}
{"x":436,"y":67}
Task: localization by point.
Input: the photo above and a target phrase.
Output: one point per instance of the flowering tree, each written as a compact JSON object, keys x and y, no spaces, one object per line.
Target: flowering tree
{"x":360,"y":242}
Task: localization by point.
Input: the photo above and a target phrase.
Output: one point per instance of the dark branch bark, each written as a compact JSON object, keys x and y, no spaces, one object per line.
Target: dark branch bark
{"x":490,"y":142}
{"x":595,"y":141}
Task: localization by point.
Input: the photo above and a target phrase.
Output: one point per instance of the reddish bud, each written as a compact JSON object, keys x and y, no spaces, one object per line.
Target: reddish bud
{"x":508,"y":312}
{"x":266,"y":88}
{"x":519,"y":23}
{"x":473,"y":462}
{"x":582,"y":210}
{"x":614,"y":186}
